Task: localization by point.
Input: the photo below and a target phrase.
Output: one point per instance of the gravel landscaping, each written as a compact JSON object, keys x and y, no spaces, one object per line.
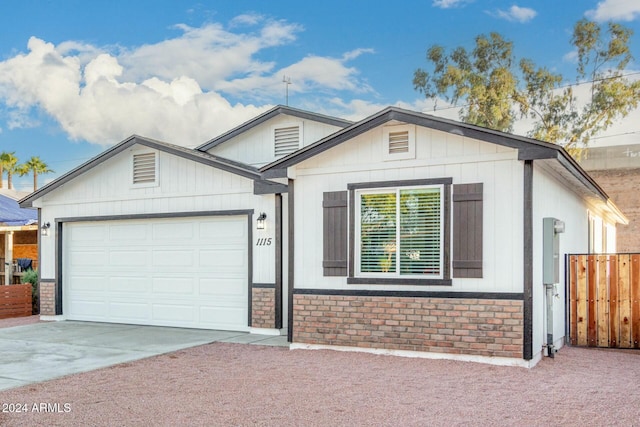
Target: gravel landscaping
{"x":239,"y":385}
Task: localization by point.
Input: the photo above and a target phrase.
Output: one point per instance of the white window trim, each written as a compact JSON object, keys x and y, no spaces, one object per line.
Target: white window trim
{"x":358,"y":230}
{"x":410,"y":154}
{"x":299,"y":125}
{"x":155,"y":183}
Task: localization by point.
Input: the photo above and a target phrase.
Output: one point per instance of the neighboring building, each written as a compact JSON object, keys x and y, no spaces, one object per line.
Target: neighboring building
{"x":399,"y":233}
{"x":617,"y":170}
{"x":18,"y":236}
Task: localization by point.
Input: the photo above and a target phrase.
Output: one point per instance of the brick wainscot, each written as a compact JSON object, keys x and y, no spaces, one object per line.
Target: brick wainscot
{"x":263,"y":302}
{"x":481,"y":327}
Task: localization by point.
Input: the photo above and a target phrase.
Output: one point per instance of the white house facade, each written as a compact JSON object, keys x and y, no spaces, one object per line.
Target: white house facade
{"x":402,"y":233}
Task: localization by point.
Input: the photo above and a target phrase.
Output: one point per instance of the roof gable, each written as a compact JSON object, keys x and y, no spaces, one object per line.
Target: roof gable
{"x":197,"y":156}
{"x":274,"y":112}
{"x":528,"y":148}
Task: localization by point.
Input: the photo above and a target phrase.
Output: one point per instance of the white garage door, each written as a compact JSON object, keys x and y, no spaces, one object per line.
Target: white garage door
{"x":185,"y":272}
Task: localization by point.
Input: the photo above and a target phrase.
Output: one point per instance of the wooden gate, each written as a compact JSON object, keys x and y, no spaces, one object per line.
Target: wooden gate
{"x":604,"y":300}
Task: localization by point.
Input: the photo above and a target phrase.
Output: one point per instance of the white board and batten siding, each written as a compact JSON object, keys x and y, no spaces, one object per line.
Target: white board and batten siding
{"x":438,"y":155}
{"x":256,"y":146}
{"x":184,"y":187}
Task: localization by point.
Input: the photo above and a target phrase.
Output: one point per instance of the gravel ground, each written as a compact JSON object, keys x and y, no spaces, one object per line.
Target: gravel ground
{"x":239,"y":385}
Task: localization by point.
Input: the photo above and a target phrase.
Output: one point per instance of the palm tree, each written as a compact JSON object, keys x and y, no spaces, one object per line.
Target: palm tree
{"x":35,"y":165}
{"x":8,"y":161}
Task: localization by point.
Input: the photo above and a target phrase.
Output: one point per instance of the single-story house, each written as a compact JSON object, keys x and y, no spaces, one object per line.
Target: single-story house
{"x":402,"y":233}
{"x":18,"y":236}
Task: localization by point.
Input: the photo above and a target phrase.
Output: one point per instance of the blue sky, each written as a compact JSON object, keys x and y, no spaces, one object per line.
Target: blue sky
{"x":75,"y":79}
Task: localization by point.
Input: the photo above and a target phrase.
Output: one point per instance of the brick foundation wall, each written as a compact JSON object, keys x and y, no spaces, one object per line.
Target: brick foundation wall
{"x":482,"y":327}
{"x":263,"y":308}
{"x":47,"y":298}
{"x":623,"y":186}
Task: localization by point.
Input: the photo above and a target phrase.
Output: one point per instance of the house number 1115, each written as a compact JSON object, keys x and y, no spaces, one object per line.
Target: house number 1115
{"x":266,"y":241}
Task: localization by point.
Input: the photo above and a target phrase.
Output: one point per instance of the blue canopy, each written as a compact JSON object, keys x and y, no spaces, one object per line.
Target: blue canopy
{"x":12,"y":214}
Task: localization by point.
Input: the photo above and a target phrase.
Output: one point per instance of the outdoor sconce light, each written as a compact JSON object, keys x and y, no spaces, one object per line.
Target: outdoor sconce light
{"x":45,"y":229}
{"x":260,"y":223}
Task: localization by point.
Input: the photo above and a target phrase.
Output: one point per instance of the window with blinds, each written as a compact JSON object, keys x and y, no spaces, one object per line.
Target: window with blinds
{"x":286,"y":140}
{"x":400,"y":232}
{"x":144,"y":168}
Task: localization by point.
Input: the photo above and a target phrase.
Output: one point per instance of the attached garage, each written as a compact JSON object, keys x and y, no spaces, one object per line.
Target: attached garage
{"x":188,"y":272}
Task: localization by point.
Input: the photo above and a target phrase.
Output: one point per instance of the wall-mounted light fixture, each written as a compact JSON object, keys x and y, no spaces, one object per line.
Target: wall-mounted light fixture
{"x":260,"y":221}
{"x":44,"y":230}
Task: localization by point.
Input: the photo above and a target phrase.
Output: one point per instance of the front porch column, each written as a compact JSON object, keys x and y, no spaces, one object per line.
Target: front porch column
{"x":8,"y":258}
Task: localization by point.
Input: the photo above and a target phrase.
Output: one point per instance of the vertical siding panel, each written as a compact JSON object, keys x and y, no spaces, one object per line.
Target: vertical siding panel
{"x":625,"y":301}
{"x":602,"y":303}
{"x":592,"y":295}
{"x":614,"y":317}
{"x":573,"y":299}
{"x":635,"y":298}
{"x":582,"y":300}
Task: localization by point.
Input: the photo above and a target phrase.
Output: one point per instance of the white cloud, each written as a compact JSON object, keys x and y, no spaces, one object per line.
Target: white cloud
{"x":174,"y":90}
{"x":447,"y":4}
{"x":622,"y":10}
{"x":516,"y":14}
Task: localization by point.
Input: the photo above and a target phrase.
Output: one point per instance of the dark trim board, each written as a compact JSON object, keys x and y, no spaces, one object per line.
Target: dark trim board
{"x":527,"y":350}
{"x":397,"y":281}
{"x":291,"y":250}
{"x":156,"y":215}
{"x":59,"y":237}
{"x":250,"y":267}
{"x":278,"y":284}
{"x":412,"y":294}
{"x":263,"y":285}
{"x":59,"y":223}
{"x":400,"y":183}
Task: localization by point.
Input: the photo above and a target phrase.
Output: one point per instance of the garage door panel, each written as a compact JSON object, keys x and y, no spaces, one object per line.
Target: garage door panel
{"x":122,"y":258}
{"x":130,"y":285}
{"x":88,"y":233}
{"x":158,"y":272}
{"x":228,"y":259}
{"x":180,"y":286}
{"x":90,"y":309}
{"x":222,"y":229}
{"x":87,"y":259}
{"x":87,"y":283}
{"x":173,"y":232}
{"x":223,"y":287}
{"x":127,"y":310}
{"x":168,"y":312}
{"x":221,"y":318}
{"x":128,"y":233}
{"x":174,"y":258}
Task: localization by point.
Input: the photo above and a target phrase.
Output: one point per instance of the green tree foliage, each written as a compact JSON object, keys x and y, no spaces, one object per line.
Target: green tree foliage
{"x":497,"y":89}
{"x":36,"y":166}
{"x":8,"y":162}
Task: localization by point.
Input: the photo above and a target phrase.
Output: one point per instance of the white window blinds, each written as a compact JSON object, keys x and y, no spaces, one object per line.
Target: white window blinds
{"x":401,"y":232}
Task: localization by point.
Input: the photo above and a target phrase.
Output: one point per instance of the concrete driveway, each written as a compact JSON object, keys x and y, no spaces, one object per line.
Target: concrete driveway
{"x":43,"y":351}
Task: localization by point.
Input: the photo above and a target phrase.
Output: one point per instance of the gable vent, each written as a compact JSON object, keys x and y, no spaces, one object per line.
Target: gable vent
{"x":144,"y":168}
{"x":399,"y":142}
{"x":287,"y":140}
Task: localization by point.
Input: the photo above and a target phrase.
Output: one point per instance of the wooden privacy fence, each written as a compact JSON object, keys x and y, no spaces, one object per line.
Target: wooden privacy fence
{"x":604,"y":300}
{"x":15,"y":301}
